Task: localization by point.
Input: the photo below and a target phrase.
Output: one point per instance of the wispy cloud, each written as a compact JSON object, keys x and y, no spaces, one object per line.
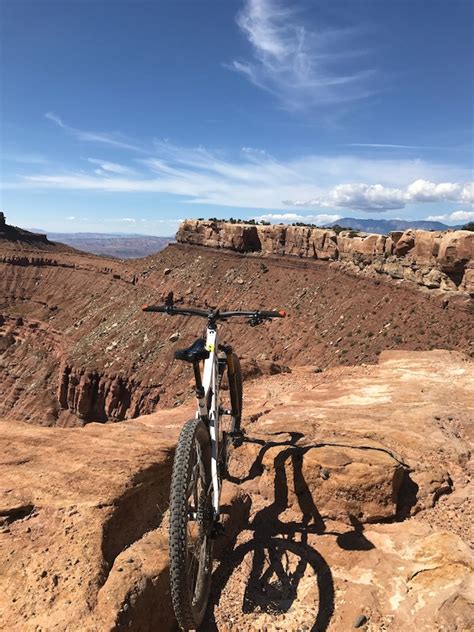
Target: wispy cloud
{"x":110,"y":167}
{"x":254,"y":179}
{"x":115,"y":140}
{"x":27,"y":158}
{"x":390,"y":146}
{"x":303,"y":68}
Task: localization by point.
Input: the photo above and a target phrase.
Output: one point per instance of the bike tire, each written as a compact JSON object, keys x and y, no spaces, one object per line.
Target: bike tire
{"x":189,"y":599}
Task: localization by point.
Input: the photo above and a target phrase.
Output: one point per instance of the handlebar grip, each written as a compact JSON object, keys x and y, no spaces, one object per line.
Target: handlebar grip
{"x":273,"y":314}
{"x":154,"y":308}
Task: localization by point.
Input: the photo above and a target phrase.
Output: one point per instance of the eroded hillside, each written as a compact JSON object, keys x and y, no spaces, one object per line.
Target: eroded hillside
{"x":75,"y":346}
{"x":348,"y":506}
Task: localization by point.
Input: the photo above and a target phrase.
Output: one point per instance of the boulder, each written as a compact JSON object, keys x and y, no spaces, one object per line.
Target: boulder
{"x":405,"y":244}
{"x":426,"y":246}
{"x":455,"y":250}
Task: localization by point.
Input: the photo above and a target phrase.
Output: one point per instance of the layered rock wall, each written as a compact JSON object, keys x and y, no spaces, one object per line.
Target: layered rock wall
{"x":94,"y":395}
{"x":433,"y":259}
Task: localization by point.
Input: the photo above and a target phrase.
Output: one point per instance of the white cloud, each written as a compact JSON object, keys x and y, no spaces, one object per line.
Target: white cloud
{"x":288,"y":218}
{"x":378,"y":198}
{"x":302,"y":68}
{"x":455,"y":217}
{"x":425,"y":191}
{"x":467,"y":195}
{"x":366,"y":197}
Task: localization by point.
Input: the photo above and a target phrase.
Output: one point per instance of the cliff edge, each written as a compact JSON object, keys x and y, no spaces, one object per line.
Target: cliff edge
{"x":433,"y":259}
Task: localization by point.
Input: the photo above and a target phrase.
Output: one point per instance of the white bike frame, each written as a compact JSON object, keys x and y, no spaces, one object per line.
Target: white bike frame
{"x":210,"y":383}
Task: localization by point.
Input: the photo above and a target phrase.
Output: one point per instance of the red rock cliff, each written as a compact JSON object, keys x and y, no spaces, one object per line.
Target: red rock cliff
{"x":436,"y":260}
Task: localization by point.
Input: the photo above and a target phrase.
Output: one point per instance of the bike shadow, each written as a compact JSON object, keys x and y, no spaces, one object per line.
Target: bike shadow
{"x":272,"y":583}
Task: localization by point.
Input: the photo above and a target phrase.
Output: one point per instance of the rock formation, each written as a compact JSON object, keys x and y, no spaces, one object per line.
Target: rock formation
{"x":432,"y":259}
{"x":348,"y":501}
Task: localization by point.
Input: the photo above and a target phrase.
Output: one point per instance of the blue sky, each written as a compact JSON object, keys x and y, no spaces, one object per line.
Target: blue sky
{"x":130,"y":115}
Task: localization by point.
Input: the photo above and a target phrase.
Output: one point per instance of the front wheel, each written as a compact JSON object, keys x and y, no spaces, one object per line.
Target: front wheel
{"x":191,"y":522}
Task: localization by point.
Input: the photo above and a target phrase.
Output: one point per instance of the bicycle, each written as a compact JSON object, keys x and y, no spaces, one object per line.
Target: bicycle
{"x":201,"y":460}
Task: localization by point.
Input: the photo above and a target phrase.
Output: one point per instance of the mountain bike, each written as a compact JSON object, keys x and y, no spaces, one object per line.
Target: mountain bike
{"x":201,"y":459}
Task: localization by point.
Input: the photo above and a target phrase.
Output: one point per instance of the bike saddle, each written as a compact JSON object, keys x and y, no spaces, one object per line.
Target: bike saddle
{"x":195,"y":353}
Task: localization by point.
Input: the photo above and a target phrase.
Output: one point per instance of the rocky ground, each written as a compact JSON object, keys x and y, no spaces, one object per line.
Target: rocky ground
{"x":347,"y":505}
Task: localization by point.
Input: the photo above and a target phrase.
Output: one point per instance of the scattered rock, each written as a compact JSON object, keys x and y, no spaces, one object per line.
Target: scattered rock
{"x":360,"y":621}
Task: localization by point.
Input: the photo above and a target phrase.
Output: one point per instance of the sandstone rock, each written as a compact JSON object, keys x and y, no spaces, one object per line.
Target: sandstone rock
{"x":432,"y":279}
{"x":405,"y":244}
{"x":239,"y":237}
{"x":272,"y":239}
{"x":80,"y":503}
{"x":395,"y":235}
{"x":368,"y":245}
{"x":297,"y":241}
{"x":394,"y":268}
{"x":448,"y":252}
{"x":468,"y":281}
{"x":96,"y":396}
{"x":356,"y":484}
{"x":455,"y":250}
{"x":323,"y":244}
{"x":84,"y":539}
{"x":426,"y":246}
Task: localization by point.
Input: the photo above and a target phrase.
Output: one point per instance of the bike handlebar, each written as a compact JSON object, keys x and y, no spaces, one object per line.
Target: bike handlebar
{"x":213,"y":314}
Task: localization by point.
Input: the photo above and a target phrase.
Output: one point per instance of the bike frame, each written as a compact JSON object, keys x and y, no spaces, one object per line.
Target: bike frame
{"x":207,"y":385}
{"x":210,"y":383}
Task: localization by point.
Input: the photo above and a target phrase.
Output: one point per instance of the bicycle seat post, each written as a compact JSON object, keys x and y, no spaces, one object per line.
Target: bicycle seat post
{"x":198,"y":379}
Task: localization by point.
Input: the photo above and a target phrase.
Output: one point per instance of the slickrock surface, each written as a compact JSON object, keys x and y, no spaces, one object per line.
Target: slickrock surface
{"x":432,"y":259}
{"x":349,"y":498}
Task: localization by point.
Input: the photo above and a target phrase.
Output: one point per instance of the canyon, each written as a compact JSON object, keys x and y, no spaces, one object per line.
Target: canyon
{"x":77,"y":348}
{"x":347,"y":504}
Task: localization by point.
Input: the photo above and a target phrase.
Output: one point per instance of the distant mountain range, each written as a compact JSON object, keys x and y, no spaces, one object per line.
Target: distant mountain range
{"x":120,"y":245}
{"x":384,"y":226}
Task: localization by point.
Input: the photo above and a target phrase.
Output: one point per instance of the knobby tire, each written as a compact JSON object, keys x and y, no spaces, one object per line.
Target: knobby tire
{"x":190,"y":603}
